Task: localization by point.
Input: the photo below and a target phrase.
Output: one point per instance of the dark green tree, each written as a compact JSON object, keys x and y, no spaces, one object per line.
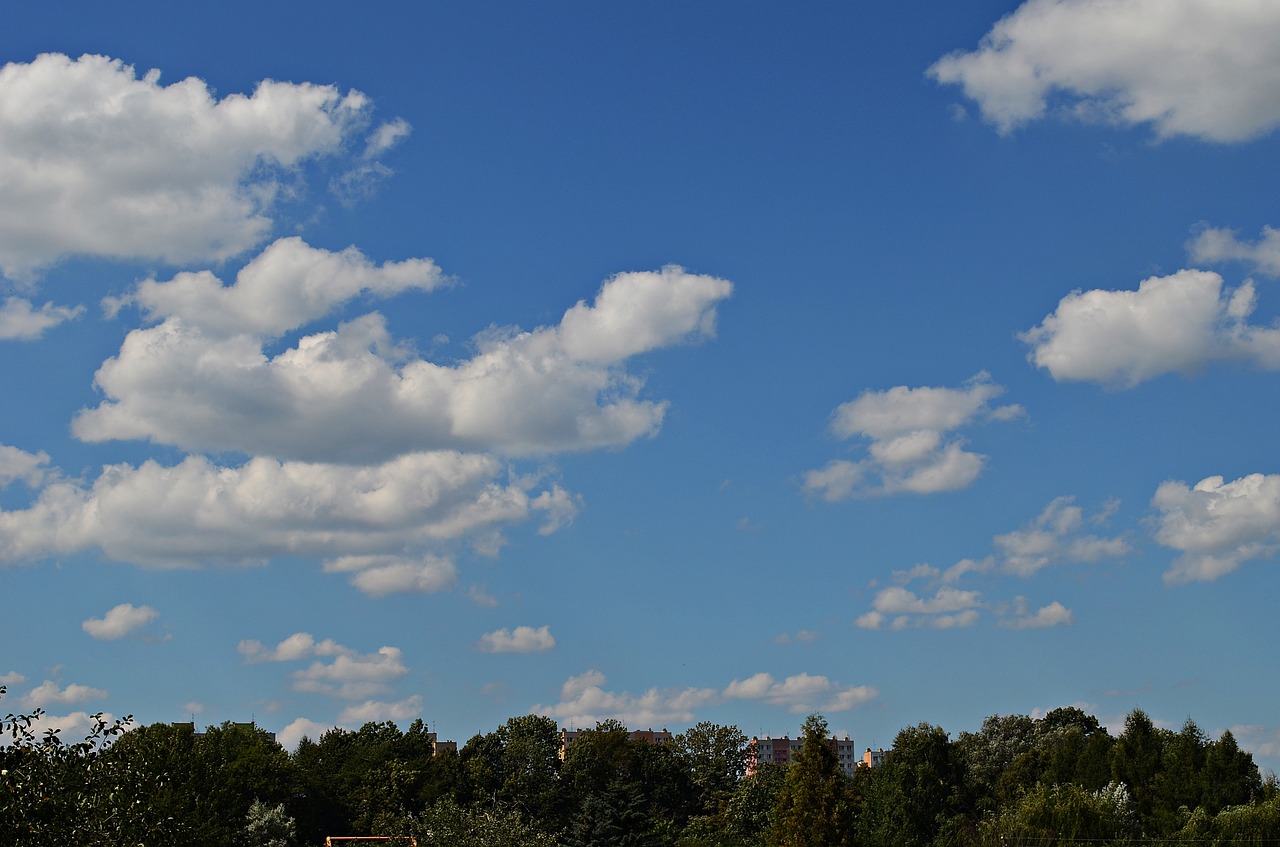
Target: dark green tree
{"x":1065,"y":814}
{"x":715,"y":758}
{"x":518,"y":766}
{"x":1136,"y":759}
{"x":1230,"y":776}
{"x":814,"y":807}
{"x":917,"y":793}
{"x":447,"y":824}
{"x":747,"y":815}
{"x":57,"y":793}
{"x":1075,"y":748}
{"x":989,"y":752}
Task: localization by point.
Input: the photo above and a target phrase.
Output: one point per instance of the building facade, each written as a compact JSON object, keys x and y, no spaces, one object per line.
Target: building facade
{"x":782,"y":750}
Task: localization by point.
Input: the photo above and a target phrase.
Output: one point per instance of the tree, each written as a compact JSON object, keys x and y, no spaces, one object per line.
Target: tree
{"x":1136,"y":760}
{"x":988,"y":753}
{"x":268,"y":826}
{"x":1068,"y":814}
{"x":1180,"y":784}
{"x":1231,"y":777}
{"x":747,"y":815}
{"x":234,"y":765}
{"x":917,"y":791}
{"x":813,"y":808}
{"x":58,"y":793}
{"x":518,"y":765}
{"x":1074,"y":748}
{"x":715,"y":757}
{"x":447,"y":824}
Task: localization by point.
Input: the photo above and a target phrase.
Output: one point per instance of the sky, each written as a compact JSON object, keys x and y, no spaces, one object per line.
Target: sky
{"x":663,"y":362}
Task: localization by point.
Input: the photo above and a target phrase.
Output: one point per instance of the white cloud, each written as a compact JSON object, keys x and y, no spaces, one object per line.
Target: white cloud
{"x":71,"y":727}
{"x":1176,"y":323}
{"x":899,"y":608}
{"x":837,"y":480}
{"x":21,"y":321}
{"x":201,"y":379}
{"x":523,"y":639}
{"x":12,"y":678}
{"x":379,"y":576}
{"x":584,"y":702}
{"x":1262,"y":741}
{"x":362,"y":180}
{"x":1055,"y":536}
{"x":1054,"y":614}
{"x":1211,"y":246}
{"x":374,"y":710}
{"x":909,"y":450}
{"x":48,"y":694}
{"x":915,"y":572}
{"x":18,"y":465}
{"x":300,"y":728}
{"x":193,"y":512}
{"x":1217,"y":525}
{"x":300,"y":645}
{"x":478,"y":596}
{"x":800,"y":636}
{"x":119,"y":621}
{"x":352,"y":676}
{"x":386,"y":136}
{"x":802,"y":692}
{"x":98,"y":161}
{"x":1209,"y":69}
{"x":288,"y":285}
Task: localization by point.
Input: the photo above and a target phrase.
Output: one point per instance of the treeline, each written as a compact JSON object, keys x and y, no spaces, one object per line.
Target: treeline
{"x":1060,"y":779}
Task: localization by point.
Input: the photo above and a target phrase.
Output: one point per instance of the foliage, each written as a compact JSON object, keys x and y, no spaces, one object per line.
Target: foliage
{"x":747,"y":815}
{"x":268,"y":826}
{"x":716,"y":759}
{"x":814,"y":807}
{"x":1061,"y":778}
{"x":1069,"y":814}
{"x":916,"y":793}
{"x":58,"y":793}
{"x":447,"y":824}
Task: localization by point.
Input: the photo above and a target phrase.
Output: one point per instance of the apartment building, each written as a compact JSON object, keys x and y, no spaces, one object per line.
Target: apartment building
{"x":782,"y":750}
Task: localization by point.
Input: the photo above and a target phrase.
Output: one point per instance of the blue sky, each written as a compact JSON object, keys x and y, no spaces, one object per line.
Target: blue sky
{"x":673,"y":362}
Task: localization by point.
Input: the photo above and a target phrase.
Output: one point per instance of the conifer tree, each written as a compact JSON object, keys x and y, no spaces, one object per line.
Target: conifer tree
{"x":814,"y":808}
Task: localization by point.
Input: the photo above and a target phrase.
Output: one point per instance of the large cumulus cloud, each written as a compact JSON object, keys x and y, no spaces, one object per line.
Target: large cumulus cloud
{"x":201,"y":379}
{"x":1208,"y":69}
{"x":1171,"y":324}
{"x":97,"y":160}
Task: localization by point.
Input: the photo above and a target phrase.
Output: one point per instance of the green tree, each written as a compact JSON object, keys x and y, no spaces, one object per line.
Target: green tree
{"x":57,"y":793}
{"x":447,"y":824}
{"x":1231,"y":778}
{"x":518,"y":766}
{"x":234,"y":765}
{"x":268,"y":826}
{"x":1065,"y":814}
{"x":814,"y":807}
{"x":715,"y":758}
{"x":1136,"y":759}
{"x":747,"y":815}
{"x":916,"y":793}
{"x":1180,"y":784}
{"x":1074,"y":748}
{"x":988,"y":753}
